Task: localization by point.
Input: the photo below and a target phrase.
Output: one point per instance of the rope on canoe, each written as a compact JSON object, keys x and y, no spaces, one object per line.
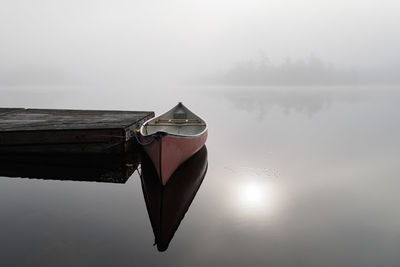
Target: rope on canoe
{"x":155,"y":136}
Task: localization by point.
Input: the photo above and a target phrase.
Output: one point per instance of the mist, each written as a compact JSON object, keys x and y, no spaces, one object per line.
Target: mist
{"x":158,"y":43}
{"x":300,"y":101}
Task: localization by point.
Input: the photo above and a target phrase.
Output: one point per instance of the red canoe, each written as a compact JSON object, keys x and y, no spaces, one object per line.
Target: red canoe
{"x":172,"y":138}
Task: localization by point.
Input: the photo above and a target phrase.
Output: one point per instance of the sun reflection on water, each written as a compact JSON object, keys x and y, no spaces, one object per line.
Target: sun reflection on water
{"x":252,"y":194}
{"x":257,"y":196}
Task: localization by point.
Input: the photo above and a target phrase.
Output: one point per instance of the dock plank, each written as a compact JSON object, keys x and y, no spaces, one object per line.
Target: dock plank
{"x":8,"y":110}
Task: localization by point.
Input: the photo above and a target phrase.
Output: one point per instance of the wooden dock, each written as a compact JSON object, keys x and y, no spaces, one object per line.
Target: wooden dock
{"x":68,"y":131}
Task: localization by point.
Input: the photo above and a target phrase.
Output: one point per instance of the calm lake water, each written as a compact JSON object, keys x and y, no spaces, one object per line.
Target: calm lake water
{"x":296,"y":177}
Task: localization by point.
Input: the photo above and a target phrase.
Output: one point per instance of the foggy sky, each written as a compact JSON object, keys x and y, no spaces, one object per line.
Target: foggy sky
{"x":125,"y":42}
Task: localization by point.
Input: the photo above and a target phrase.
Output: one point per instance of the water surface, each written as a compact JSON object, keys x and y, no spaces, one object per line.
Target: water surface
{"x":296,"y":177}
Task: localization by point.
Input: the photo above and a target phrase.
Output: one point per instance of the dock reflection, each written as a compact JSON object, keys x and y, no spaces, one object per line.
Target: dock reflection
{"x":71,"y":167}
{"x":167,"y":205}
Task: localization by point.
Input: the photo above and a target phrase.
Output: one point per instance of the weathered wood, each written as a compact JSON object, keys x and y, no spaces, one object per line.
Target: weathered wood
{"x":8,"y":110}
{"x":58,"y":119}
{"x":73,"y":131}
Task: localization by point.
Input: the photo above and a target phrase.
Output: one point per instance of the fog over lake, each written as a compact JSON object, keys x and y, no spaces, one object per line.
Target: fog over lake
{"x":302,"y":103}
{"x":128,"y":43}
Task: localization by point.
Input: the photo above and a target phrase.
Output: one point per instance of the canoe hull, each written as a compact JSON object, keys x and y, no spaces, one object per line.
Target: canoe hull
{"x":169,"y":151}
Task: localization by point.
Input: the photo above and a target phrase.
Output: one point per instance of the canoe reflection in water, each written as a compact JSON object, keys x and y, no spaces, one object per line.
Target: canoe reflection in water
{"x":167,"y":205}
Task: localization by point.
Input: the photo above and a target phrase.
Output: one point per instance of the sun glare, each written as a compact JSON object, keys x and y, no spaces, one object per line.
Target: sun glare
{"x":256,"y":196}
{"x":252,"y":194}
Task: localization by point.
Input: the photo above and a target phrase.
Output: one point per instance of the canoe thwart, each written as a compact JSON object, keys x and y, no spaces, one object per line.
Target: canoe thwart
{"x":177,"y":121}
{"x":176,"y":124}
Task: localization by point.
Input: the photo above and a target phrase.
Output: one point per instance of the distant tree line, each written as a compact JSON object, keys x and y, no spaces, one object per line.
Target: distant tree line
{"x":311,"y":71}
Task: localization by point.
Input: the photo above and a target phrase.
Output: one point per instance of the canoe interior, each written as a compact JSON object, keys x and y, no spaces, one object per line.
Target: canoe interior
{"x":178,"y":121}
